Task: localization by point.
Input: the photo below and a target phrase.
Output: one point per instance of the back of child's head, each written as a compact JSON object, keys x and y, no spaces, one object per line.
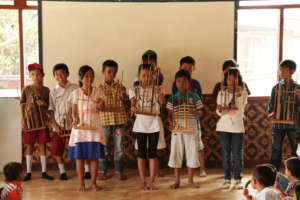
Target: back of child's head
{"x":83,"y":70}
{"x":12,"y":171}
{"x":229,"y":63}
{"x":109,"y":63}
{"x":290,"y":64}
{"x":149,"y":55}
{"x":265,"y":175}
{"x":182,"y":74}
{"x":188,"y":60}
{"x":60,"y":66}
{"x":293,"y":165}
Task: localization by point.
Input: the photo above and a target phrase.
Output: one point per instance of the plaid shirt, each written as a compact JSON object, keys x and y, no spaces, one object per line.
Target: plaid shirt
{"x":272,"y":106}
{"x":108,"y":92}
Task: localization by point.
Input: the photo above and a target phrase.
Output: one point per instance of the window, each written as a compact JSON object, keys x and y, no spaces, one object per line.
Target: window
{"x":18,"y":44}
{"x":268,"y":32}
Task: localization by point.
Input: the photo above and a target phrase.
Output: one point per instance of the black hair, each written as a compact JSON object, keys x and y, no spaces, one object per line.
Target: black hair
{"x":293,"y":165}
{"x":109,"y":63}
{"x":290,"y":64}
{"x":12,"y":171}
{"x":144,"y":67}
{"x":236,"y":73}
{"x":149,"y":55}
{"x":297,"y":191}
{"x":229,"y":63}
{"x":60,"y":66}
{"x":265,"y":175}
{"x":187,"y":59}
{"x":82,"y":71}
{"x":182,"y":73}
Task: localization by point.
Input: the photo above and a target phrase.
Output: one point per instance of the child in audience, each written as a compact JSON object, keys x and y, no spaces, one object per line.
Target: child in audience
{"x":86,"y":140}
{"x":33,"y":94}
{"x":60,"y":105}
{"x":231,"y":103}
{"x":146,"y":127}
{"x":263,"y":178}
{"x":280,"y":130}
{"x":184,"y":144}
{"x":14,"y":174}
{"x":292,"y":171}
{"x":113,"y":122}
{"x":297,"y":192}
{"x":188,"y":63}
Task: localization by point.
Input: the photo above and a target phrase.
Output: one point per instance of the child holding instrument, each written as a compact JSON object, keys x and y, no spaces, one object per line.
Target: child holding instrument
{"x":113,"y":116}
{"x":188,"y":63}
{"x":184,"y":110}
{"x":281,"y":129}
{"x":86,"y":140}
{"x":34,"y":105}
{"x":231,"y":103}
{"x":61,"y":106}
{"x":146,"y":126}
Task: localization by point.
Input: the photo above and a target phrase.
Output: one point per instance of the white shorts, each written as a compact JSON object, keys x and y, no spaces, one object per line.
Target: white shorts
{"x":184,"y":144}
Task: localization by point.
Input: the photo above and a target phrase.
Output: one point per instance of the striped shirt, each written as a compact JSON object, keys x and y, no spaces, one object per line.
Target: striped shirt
{"x":180,"y":104}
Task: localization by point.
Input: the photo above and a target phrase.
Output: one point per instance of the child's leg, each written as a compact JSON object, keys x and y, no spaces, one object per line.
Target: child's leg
{"x":94,"y":172}
{"x":102,"y":161}
{"x":226,"y":154}
{"x":177,"y":179}
{"x":191,"y":178}
{"x":237,"y":156}
{"x":57,"y":149}
{"x":202,"y":163}
{"x":118,"y":152}
{"x":80,"y":171}
{"x":142,"y":150}
{"x":29,"y":152}
{"x":152,"y":155}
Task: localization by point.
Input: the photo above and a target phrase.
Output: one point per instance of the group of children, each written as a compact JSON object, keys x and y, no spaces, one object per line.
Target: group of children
{"x":83,"y":113}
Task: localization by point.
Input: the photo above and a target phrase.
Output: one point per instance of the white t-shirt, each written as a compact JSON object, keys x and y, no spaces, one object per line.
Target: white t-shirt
{"x":60,"y":103}
{"x":146,"y":123}
{"x":232,"y":122}
{"x":268,"y":193}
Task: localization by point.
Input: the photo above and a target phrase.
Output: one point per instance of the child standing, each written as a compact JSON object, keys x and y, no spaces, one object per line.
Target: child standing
{"x":263,"y":178}
{"x":188,"y":63}
{"x":61,"y":106}
{"x":86,"y":143}
{"x":231,"y":102}
{"x":146,"y":127}
{"x":286,"y":70}
{"x":14,"y":175}
{"x":113,"y":121}
{"x":39,"y":94}
{"x":182,"y":143}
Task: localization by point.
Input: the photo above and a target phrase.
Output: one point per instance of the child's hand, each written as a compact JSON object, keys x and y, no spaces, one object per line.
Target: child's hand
{"x":75,"y":121}
{"x":120,"y":132}
{"x":56,"y":128}
{"x":271,"y":116}
{"x":100,"y":104}
{"x":41,"y":102}
{"x":133,"y":109}
{"x":247,"y":195}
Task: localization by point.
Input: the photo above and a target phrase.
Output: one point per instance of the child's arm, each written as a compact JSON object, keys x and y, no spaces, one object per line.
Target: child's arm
{"x":133,"y":105}
{"x":75,"y":116}
{"x":271,"y":103}
{"x":22,"y":108}
{"x":161,"y":95}
{"x":170,"y":108}
{"x":247,"y":195}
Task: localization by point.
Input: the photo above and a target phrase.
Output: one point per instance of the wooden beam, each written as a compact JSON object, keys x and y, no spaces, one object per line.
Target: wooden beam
{"x":21,"y":48}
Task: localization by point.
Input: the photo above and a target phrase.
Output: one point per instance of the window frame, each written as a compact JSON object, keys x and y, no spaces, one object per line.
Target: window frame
{"x":20,"y":5}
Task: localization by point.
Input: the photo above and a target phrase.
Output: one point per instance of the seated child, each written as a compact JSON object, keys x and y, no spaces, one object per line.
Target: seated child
{"x":14,"y":174}
{"x":263,"y":178}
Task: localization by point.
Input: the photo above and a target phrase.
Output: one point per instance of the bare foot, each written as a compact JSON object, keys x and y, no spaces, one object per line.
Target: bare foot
{"x":193,"y":185}
{"x":151,"y":186}
{"x":175,"y":186}
{"x":81,"y":188}
{"x":143,"y":186}
{"x":95,"y":187}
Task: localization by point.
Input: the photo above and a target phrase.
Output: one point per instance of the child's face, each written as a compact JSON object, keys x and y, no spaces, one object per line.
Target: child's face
{"x":187,"y":67}
{"x":285,"y":73}
{"x":182,"y":84}
{"x":144,"y":77}
{"x":36,"y":76}
{"x":61,"y":76}
{"x":287,"y":173}
{"x":88,"y":78}
{"x":109,"y":73}
{"x":151,"y":62}
{"x":253,"y":182}
{"x":231,"y":80}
